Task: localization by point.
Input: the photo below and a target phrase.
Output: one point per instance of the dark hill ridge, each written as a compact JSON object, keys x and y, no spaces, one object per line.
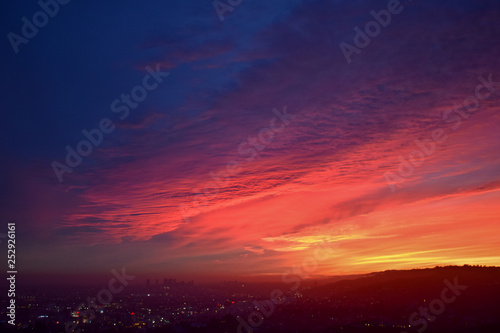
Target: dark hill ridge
{"x":391,"y":297}
{"x":429,"y":279}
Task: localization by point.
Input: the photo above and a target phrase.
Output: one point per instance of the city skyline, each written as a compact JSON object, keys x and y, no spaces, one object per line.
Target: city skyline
{"x":205,"y":143}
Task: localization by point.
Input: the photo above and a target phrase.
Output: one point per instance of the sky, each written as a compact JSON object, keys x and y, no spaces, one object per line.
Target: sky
{"x":236,"y":142}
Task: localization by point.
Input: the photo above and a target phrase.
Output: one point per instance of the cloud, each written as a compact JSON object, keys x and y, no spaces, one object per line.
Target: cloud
{"x":320,"y":179}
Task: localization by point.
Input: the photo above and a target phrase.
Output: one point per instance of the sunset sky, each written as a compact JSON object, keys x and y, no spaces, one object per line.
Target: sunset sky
{"x":327,"y":175}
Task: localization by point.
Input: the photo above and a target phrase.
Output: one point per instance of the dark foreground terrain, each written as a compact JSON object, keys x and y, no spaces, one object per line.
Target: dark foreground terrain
{"x":442,"y":299}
